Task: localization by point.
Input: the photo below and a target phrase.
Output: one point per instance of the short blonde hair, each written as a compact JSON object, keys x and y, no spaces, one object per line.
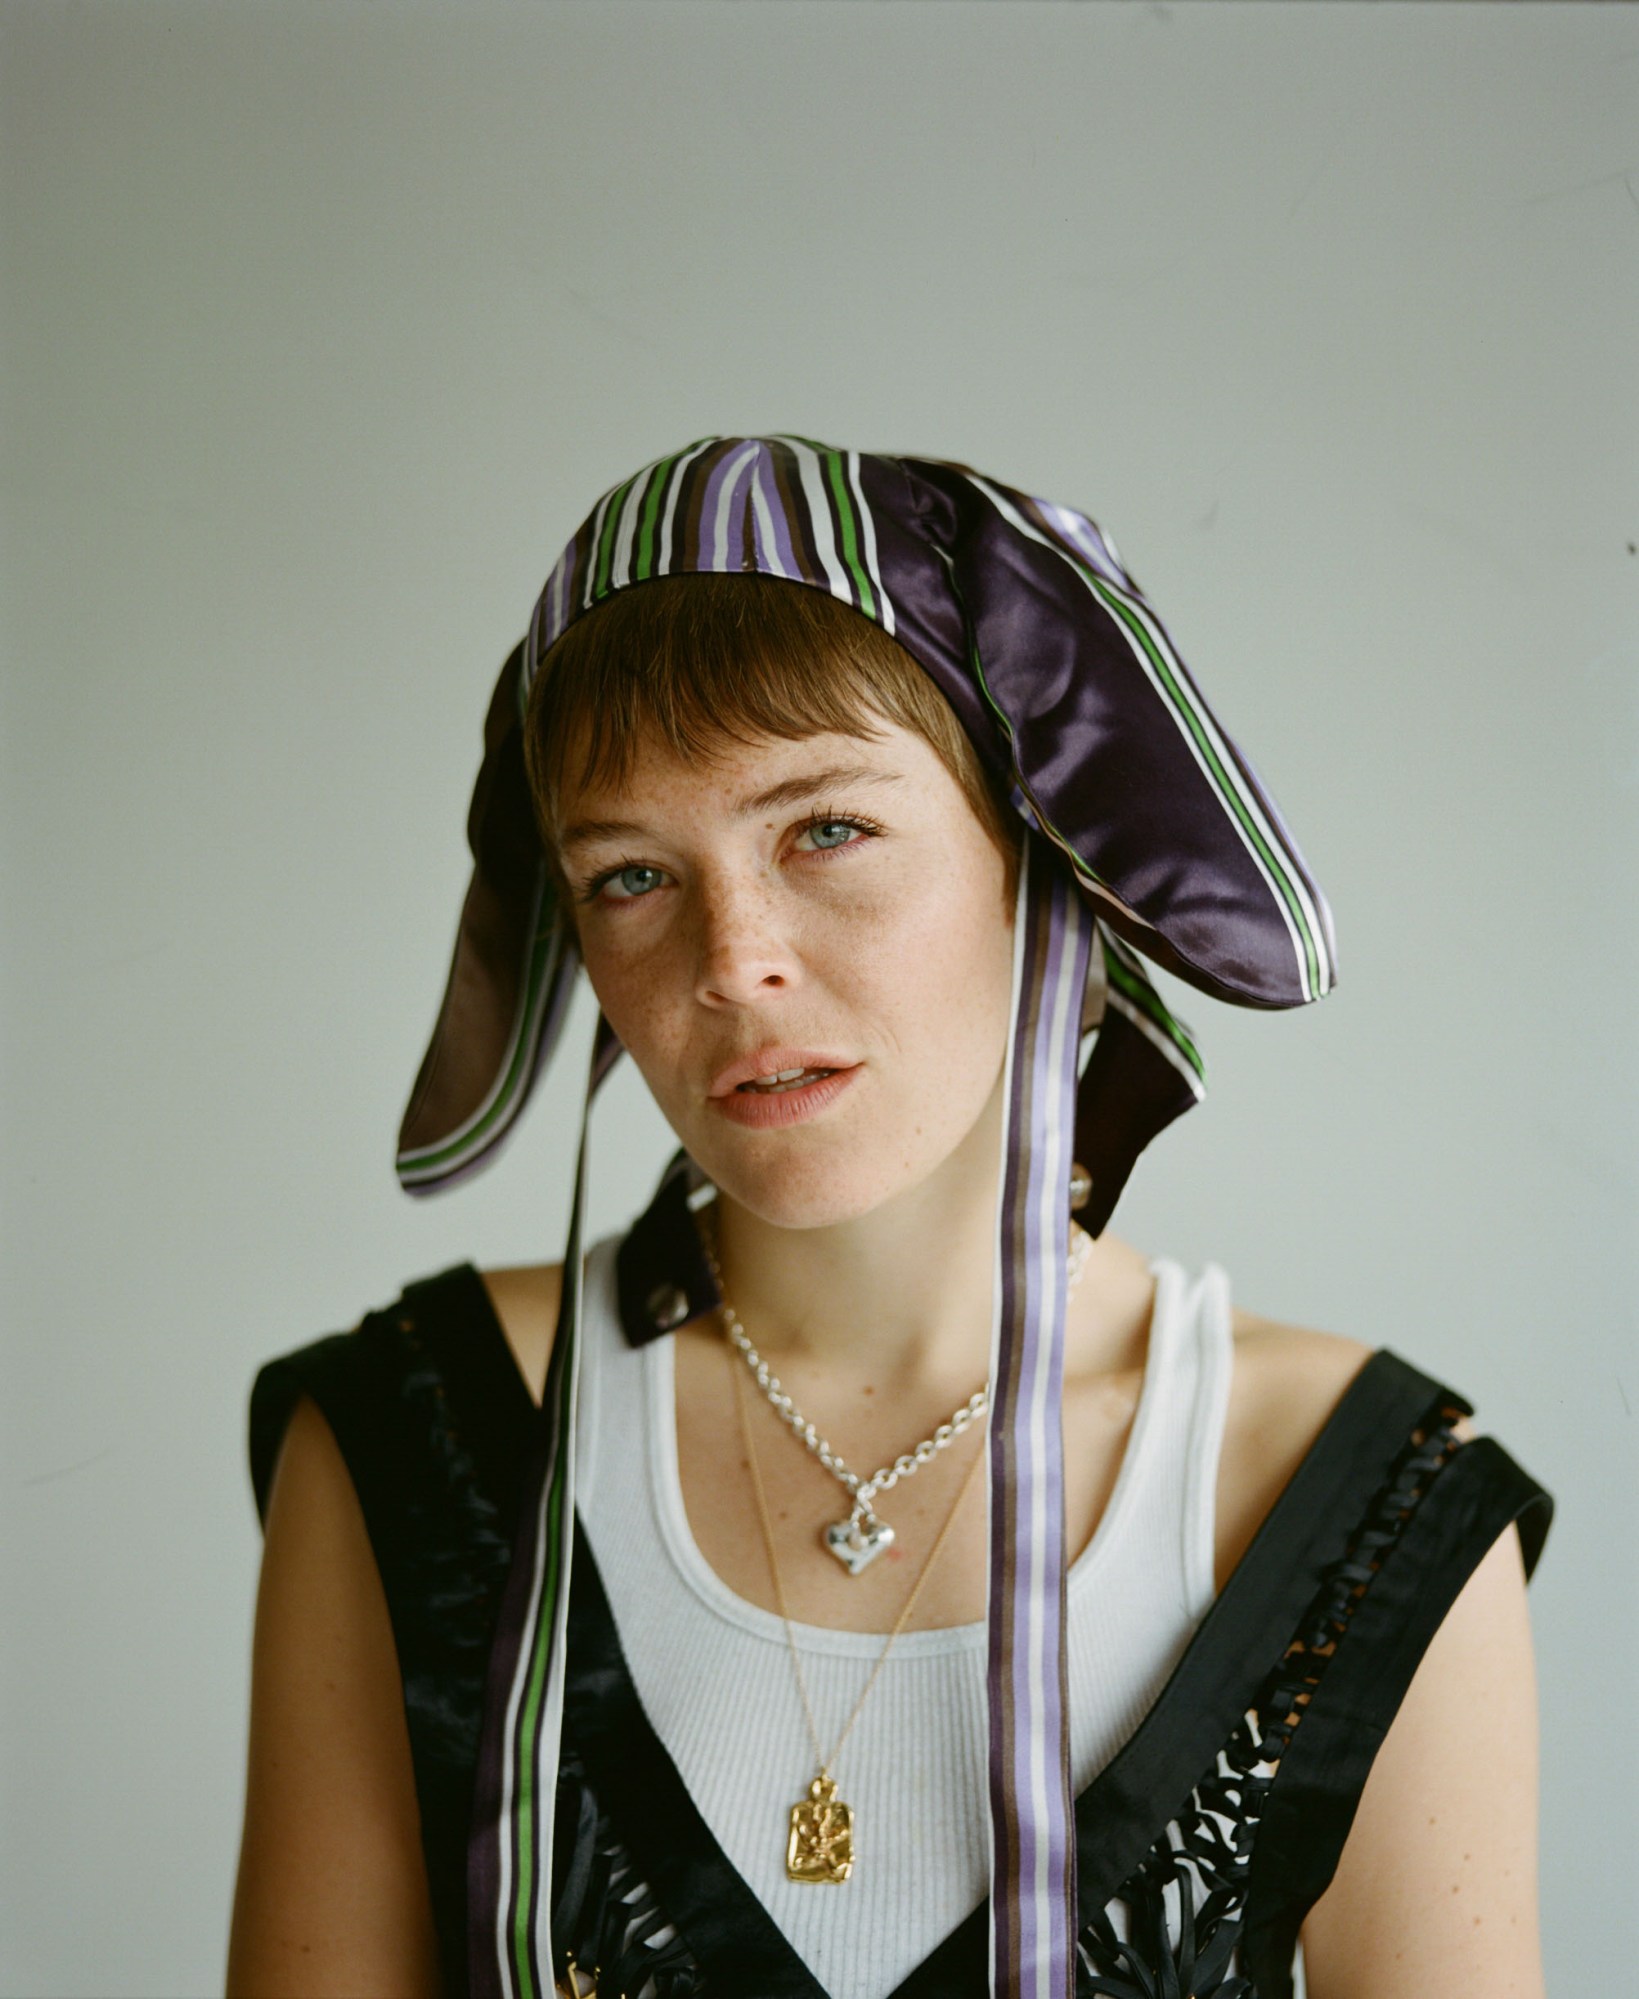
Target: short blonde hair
{"x":696,"y":662}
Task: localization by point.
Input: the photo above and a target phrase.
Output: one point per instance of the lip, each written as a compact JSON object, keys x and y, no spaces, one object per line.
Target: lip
{"x":784,"y":1107}
{"x":769,"y":1062}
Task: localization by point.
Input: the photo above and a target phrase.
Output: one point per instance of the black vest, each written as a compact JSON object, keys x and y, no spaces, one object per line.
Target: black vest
{"x":1230,"y":1801}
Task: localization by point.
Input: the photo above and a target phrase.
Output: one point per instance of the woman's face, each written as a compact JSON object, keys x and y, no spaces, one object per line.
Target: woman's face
{"x":824,"y":904}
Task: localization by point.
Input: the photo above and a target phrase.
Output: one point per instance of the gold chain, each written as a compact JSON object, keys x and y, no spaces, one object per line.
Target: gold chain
{"x":824,"y":1763}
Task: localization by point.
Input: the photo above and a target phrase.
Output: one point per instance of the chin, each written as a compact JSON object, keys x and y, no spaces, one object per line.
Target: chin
{"x":816,"y":1192}
{"x":796,"y":1198}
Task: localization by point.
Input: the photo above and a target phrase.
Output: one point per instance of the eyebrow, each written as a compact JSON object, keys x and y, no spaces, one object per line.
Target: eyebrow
{"x":789,"y":791}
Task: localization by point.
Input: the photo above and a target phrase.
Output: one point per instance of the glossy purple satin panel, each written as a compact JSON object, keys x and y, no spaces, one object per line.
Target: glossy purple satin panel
{"x":1124,"y":772}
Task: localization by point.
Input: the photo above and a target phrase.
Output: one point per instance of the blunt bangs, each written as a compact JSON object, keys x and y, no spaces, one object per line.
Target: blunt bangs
{"x":698,"y":663}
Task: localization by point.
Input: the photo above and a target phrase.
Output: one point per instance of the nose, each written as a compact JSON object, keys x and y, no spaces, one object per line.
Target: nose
{"x":744,"y":951}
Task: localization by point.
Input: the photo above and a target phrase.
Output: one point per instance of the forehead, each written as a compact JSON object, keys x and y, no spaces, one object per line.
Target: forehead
{"x":746,"y":780}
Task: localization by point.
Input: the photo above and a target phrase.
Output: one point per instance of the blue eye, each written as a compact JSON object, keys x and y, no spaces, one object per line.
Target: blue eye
{"x":853,"y":829}
{"x":847,"y":822}
{"x":846,"y":826}
{"x":595,"y":888}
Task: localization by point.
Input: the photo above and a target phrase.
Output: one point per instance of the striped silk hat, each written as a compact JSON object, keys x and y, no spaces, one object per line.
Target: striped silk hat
{"x":1153,"y":838}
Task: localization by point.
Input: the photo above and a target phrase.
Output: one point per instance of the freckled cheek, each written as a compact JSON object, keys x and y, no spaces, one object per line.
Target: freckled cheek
{"x":938,"y":988}
{"x":632,"y":991}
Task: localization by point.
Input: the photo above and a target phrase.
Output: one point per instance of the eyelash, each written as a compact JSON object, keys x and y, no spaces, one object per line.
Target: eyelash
{"x":595,"y":887}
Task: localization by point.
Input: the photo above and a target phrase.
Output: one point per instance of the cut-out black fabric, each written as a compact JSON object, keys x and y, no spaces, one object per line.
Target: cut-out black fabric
{"x":1200,"y":1846}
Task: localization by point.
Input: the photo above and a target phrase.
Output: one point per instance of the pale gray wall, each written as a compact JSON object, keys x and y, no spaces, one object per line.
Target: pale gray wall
{"x":323,"y":326}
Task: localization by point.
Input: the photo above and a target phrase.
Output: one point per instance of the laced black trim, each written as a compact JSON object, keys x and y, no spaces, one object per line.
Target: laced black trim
{"x":609,"y":1934}
{"x":1174,"y":1929}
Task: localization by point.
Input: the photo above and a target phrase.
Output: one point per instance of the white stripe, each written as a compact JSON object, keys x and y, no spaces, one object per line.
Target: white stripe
{"x":503,"y":1822}
{"x":583,"y":596}
{"x":868,"y":552}
{"x":727,"y":492}
{"x":1098,"y":982}
{"x":1063,"y":1028}
{"x":1174,"y":1054}
{"x":525,"y":1025}
{"x":1147,"y":1027}
{"x":551,"y":1712}
{"x":620,"y":564}
{"x":1088,"y":538}
{"x":668,"y":515}
{"x":765,"y":518}
{"x":557,"y":583}
{"x":819,"y":512}
{"x":1254,"y":810}
{"x":545,"y":1754}
{"x":1169,"y":1035}
{"x":994,"y":1524}
{"x":1231,"y":773}
{"x":1254,"y":805}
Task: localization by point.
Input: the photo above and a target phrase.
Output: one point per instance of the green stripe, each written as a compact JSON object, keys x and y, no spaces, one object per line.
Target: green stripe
{"x":848,"y":522}
{"x":1227,"y":788}
{"x":1149,"y":1002}
{"x":441,"y":1157}
{"x":1134,"y":984}
{"x":546,"y":1619}
{"x":606,"y":541}
{"x":643,"y":567}
{"x":525,"y":1794}
{"x":1082,"y":867}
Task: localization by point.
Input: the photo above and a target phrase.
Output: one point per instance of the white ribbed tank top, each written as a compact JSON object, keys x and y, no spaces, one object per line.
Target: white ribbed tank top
{"x":715,"y":1680}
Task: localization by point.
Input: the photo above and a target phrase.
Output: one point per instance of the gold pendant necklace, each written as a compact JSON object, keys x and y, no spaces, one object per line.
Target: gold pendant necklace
{"x":819,"y":1842}
{"x":820,"y":1846}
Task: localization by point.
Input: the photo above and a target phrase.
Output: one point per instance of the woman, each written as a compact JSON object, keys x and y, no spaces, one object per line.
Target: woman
{"x":638,"y":1624}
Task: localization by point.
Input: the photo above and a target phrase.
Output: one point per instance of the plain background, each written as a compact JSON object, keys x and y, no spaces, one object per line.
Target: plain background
{"x":323,"y":327}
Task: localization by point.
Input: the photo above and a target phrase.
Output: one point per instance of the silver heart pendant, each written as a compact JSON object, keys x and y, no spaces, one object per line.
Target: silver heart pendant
{"x":857,"y":1543}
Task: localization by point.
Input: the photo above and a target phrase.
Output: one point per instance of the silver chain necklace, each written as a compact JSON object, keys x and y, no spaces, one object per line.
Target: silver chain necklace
{"x":857,"y":1541}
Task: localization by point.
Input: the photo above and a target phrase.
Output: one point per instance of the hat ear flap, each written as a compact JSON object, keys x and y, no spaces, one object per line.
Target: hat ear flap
{"x":1144,"y":1071}
{"x":1122,"y":764}
{"x":511,"y":975}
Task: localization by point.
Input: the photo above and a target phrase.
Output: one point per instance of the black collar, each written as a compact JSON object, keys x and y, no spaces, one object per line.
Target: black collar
{"x":662,"y":1278}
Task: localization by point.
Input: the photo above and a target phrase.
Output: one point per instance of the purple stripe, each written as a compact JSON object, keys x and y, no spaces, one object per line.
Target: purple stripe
{"x":560,"y":598}
{"x":704,"y":555}
{"x":492,"y":1976}
{"x":1047,"y":1239}
{"x":1033,"y":1926}
{"x":768,"y":488}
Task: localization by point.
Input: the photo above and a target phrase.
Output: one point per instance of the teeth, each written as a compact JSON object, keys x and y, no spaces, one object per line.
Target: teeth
{"x":786,"y":1079}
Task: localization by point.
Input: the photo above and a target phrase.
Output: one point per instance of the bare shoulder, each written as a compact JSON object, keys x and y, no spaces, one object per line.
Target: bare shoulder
{"x":1292,"y":1371}
{"x":332,"y":1889}
{"x":525,"y":1297}
{"x":1286,"y":1382}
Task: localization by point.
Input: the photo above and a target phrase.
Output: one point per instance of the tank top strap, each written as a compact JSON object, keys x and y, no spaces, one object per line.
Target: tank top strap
{"x":1178,"y":1437}
{"x":610,"y":1367}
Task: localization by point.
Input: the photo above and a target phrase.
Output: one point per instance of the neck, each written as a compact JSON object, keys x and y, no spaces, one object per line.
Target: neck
{"x":901,"y":1294}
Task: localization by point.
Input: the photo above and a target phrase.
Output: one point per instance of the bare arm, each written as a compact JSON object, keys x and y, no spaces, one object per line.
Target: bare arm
{"x":332,"y":1895}
{"x":1436,"y":1888}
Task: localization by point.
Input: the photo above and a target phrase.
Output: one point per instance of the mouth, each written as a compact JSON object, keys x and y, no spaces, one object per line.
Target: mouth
{"x":775,"y":1099}
{"x":773,"y":1071}
{"x":775,"y":1086}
